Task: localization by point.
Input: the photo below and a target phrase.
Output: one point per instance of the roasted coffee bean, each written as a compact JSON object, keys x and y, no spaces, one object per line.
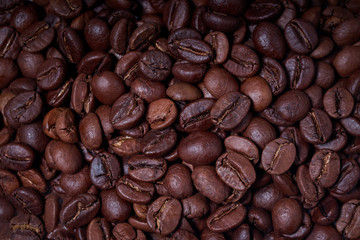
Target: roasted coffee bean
{"x":220,"y":46}
{"x":16,"y":156}
{"x":278,"y":156}
{"x":158,"y":142}
{"x":63,"y":156}
{"x":200,"y":148}
{"x":9,"y":42}
{"x":104,"y":170}
{"x":113,"y":207}
{"x":79,"y":210}
{"x":155,"y":65}
{"x":293,"y":105}
{"x":218,"y":82}
{"x":66,"y":9}
{"x":286,"y":216}
{"x":127,"y":111}
{"x":209,"y":184}
{"x":143,"y":36}
{"x":148,"y":90}
{"x":301,"y":36}
{"x":338,"y":102}
{"x":236,"y":171}
{"x":274,"y":73}
{"x":260,"y":218}
{"x":161,"y":113}
{"x":90,"y":131}
{"x":27,"y":226}
{"x":183,"y":92}
{"x":23,"y":109}
{"x":349,"y":176}
{"x":51,"y":74}
{"x":135,"y":191}
{"x":37,"y":37}
{"x":95,"y":62}
{"x":28,"y":200}
{"x":345,"y":61}
{"x":8,"y":183}
{"x":193,"y":50}
{"x":326,"y":212}
{"x":226,"y":217}
{"x":33,"y":178}
{"x":66,"y":126}
{"x":107,"y":87}
{"x":302,"y":147}
{"x":262,"y":10}
{"x":229,"y":110}
{"x":71,"y":45}
{"x":188,"y":72}
{"x":258,"y":90}
{"x":347,"y":221}
{"x":301,"y":71}
{"x":147,"y":169}
{"x":97,"y":34}
{"x":316,"y":127}
{"x":98,"y":228}
{"x":345,"y":32}
{"x":326,"y":232}
{"x":125,"y":146}
{"x":260,"y":132}
{"x":324,"y":168}
{"x":195,"y":206}
{"x":267,"y":196}
{"x":61,"y":95}
{"x":242,"y":62}
{"x":176,"y":14}
{"x":128,"y":68}
{"x":158,"y":216}
{"x":178,"y":181}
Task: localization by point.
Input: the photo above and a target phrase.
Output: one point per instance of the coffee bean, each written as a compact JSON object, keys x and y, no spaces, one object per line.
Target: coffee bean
{"x":260,"y":218}
{"x":343,"y":59}
{"x":349,"y":215}
{"x":79,"y":210}
{"x":66,"y":9}
{"x":16,"y":156}
{"x":293,"y":105}
{"x":200,"y":148}
{"x":258,"y":90}
{"x":260,"y":132}
{"x":66,"y":126}
{"x":286,"y":216}
{"x":347,"y":179}
{"x":125,"y":146}
{"x":242,"y":62}
{"x":188,"y":72}
{"x":113,"y":207}
{"x":301,"y":36}
{"x":147,"y":169}
{"x":338,"y":102}
{"x":37,"y":37}
{"x":267,"y":196}
{"x":90,"y":131}
{"x":98,"y":228}
{"x":195,"y":206}
{"x":107,"y":87}
{"x":158,"y":142}
{"x":178,"y":181}
{"x":97,"y":34}
{"x":135,"y":191}
{"x":262,"y":10}
{"x":176,"y":14}
{"x":143,"y":36}
{"x":27,"y":226}
{"x":8,"y":183}
{"x":324,"y":168}
{"x":155,"y":65}
{"x":301,"y":71}
{"x":326,"y":212}
{"x":274,"y":73}
{"x":161,"y":113}
{"x":219,"y":82}
{"x":220,"y":46}
{"x":104,"y":170}
{"x":226,"y":217}
{"x":278,"y":156}
{"x":33,"y":178}
{"x":148,"y":90}
{"x":27,"y":200}
{"x":71,"y":45}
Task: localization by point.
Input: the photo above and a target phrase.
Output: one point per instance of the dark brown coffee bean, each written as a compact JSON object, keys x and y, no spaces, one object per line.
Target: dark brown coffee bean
{"x":161,"y":113}
{"x":326,"y":212}
{"x":127,"y":111}
{"x":79,"y":210}
{"x":8,"y":183}
{"x":242,"y":62}
{"x":120,"y":34}
{"x":193,"y":50}
{"x":195,"y":206}
{"x":324,"y":47}
{"x":311,"y":192}
{"x":37,"y":37}
{"x":301,"y":36}
{"x":220,"y":46}
{"x":229,"y":110}
{"x":90,"y":131}
{"x":316,"y":127}
{"x":32,"y":134}
{"x":267,"y":196}
{"x":338,"y":141}
{"x":183,"y":92}
{"x":147,"y":169}
{"x":226,"y":217}
{"x":351,"y":125}
{"x":16,"y":156}
{"x":107,"y":87}
{"x":178,"y":181}
{"x":293,"y":134}
{"x":23,"y":109}
{"x":324,"y":168}
{"x":293,"y":105}
{"x":71,"y":45}
{"x":51,"y":74}
{"x":346,"y":32}
{"x":104,"y":170}
{"x":260,"y":218}
{"x":77,"y":183}
{"x":9,"y":42}
{"x":82,"y":98}
{"x":155,"y":65}
{"x":95,"y":62}
{"x":347,"y":221}
{"x":209,"y":184}
{"x":285,"y":184}
{"x":236,"y":171}
{"x":349,"y":176}
{"x":199,"y":148}
{"x":260,"y":132}
{"x":158,"y":216}
{"x":269,"y":41}
{"x":124,"y":231}
{"x":242,"y":146}
{"x":27,"y":62}
{"x":180,"y":34}
{"x":148,"y":90}
{"x":27,"y":200}
{"x":286,"y":216}
{"x":219,"y":82}
{"x":49,"y":122}
{"x":66,"y":9}
{"x":98,"y":228}
{"x":63,"y":156}
{"x":143,"y":36}
{"x":278,"y":156}
{"x":135,"y":191}
{"x":220,"y":22}
{"x":33,"y":178}
{"x":97,"y":34}
{"x":301,"y":71}
{"x":113,"y":207}
{"x":338,"y":102}
{"x":59,"y":96}
{"x":258,"y":90}
{"x":188,"y":72}
{"x":261,"y":10}
{"x":274,"y":73}
{"x":345,"y":61}
{"x":66,"y":126}
{"x":125,"y":146}
{"x":128,"y":68}
{"x":158,"y":142}
{"x":27,"y":226}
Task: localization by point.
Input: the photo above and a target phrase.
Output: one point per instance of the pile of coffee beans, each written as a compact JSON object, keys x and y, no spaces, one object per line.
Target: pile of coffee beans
{"x":180,"y":119}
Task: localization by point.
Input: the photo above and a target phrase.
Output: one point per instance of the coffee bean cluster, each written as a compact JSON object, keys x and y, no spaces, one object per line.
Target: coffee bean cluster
{"x":180,"y":119}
